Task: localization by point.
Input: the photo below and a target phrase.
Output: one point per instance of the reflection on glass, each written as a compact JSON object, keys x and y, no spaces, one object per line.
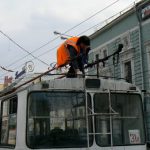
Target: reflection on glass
{"x":12,"y":130}
{"x":4,"y":130}
{"x":56,"y":119}
{"x":5,"y":108}
{"x":102,"y":121}
{"x":9,"y":121}
{"x":127,"y":125}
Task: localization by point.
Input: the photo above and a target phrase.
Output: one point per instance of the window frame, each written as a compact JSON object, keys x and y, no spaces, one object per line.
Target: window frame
{"x":126,"y":74}
{"x":63,"y":91}
{"x":10,"y":146}
{"x":143,"y":118}
{"x":123,"y":62}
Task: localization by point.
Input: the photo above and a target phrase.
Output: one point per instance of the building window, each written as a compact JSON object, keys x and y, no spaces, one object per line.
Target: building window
{"x":105,"y":53}
{"x":9,"y":122}
{"x":104,"y":56}
{"x":57,"y":120}
{"x":97,"y":57}
{"x":128,"y":71}
{"x":145,"y":13}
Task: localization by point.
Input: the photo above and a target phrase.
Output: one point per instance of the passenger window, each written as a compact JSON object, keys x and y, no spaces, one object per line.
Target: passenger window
{"x":9,"y":121}
{"x":57,"y":120}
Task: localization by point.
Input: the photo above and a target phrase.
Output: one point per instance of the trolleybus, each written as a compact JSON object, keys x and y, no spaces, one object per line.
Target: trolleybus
{"x":73,"y":114}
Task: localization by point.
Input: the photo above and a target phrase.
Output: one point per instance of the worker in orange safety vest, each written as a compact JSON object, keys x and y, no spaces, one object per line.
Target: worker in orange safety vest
{"x":74,"y":51}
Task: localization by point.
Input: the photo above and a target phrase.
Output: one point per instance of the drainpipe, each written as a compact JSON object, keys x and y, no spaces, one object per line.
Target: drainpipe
{"x":140,"y":44}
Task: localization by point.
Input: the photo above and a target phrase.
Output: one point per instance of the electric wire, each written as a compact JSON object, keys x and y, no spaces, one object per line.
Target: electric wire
{"x":64,"y":32}
{"x":54,"y":68}
{"x":8,"y":70}
{"x":18,"y":60}
{"x":89,"y":65}
{"x":23,"y":49}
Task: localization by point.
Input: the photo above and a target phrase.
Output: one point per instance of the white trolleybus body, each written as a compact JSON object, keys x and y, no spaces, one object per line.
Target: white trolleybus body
{"x":73,"y":114}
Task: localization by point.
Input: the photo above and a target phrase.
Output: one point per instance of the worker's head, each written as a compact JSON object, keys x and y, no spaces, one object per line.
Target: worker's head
{"x":84,"y":43}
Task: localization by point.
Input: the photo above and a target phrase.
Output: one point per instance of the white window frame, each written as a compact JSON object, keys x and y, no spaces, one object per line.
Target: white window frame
{"x":103,"y":49}
{"x":101,"y":56}
{"x":125,"y":57}
{"x":123,"y":69}
{"x":104,"y":71}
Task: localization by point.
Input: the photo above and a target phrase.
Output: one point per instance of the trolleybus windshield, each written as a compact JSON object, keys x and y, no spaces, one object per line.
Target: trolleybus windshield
{"x":56,"y":120}
{"x":120,"y":119}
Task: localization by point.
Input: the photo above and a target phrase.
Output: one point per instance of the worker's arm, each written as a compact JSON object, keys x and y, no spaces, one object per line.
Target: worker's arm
{"x":73,"y":55}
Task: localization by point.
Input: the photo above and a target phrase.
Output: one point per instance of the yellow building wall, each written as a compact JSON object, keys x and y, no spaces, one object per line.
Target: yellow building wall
{"x":1,"y":86}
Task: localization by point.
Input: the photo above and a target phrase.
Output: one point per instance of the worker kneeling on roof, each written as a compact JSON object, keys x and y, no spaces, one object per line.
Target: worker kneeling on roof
{"x":74,"y":51}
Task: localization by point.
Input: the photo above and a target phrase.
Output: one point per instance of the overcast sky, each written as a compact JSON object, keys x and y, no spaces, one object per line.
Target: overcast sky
{"x":31,"y":23}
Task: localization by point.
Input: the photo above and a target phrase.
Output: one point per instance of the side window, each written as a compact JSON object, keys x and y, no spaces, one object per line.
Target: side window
{"x":97,"y":57}
{"x":57,"y":120}
{"x":128,"y":71}
{"x":105,"y":54}
{"x":8,"y":121}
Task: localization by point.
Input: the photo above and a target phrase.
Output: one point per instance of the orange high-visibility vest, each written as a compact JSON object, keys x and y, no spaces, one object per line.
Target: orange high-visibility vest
{"x":63,"y":55}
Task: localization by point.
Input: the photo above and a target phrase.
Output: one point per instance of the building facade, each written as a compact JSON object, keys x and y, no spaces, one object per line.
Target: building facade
{"x":132,"y":29}
{"x":1,"y":86}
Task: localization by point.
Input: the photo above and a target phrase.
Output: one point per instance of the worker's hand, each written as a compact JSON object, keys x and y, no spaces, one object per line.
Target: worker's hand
{"x":79,"y":73}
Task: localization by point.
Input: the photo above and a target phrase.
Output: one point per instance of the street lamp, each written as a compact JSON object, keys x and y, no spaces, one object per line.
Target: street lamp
{"x":62,"y":35}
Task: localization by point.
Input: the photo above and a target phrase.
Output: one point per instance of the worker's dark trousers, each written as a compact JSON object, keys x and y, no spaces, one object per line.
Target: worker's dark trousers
{"x":71,"y":73}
